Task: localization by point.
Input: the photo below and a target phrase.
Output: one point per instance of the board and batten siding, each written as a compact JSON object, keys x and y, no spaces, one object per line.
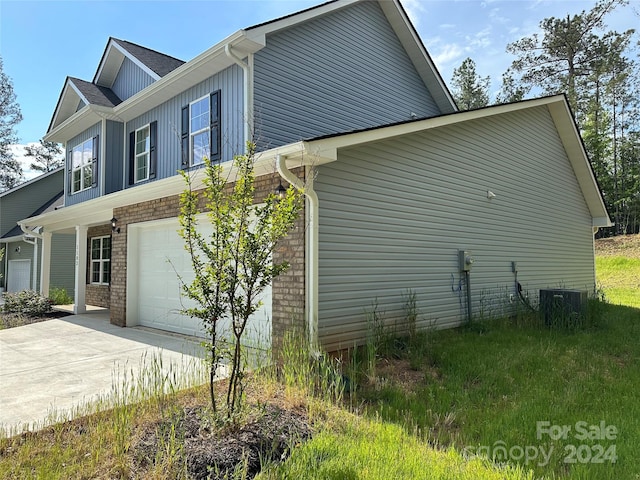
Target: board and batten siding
{"x":130,"y":80}
{"x":89,"y":193}
{"x":393,"y":215}
{"x":113,"y":157}
{"x":168,"y":116}
{"x":343,"y":71}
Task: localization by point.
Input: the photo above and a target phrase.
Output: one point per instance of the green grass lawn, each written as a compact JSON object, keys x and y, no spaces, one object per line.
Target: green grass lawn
{"x":620,"y":279}
{"x":483,"y":391}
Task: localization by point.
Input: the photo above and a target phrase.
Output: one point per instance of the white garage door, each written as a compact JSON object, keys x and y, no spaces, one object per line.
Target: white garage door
{"x":19,"y":275}
{"x":156,"y":256}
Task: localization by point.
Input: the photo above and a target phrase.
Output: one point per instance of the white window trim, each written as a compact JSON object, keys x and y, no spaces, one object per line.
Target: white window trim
{"x":81,"y":168}
{"x":206,"y":128}
{"x":101,"y":261}
{"x":146,"y":152}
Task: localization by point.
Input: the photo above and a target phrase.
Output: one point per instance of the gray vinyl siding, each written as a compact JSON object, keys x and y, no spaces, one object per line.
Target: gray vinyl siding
{"x":90,"y":193}
{"x":393,"y":215}
{"x":113,"y":157}
{"x":24,"y":201}
{"x":168,"y":116}
{"x":130,"y":80}
{"x":63,"y":249}
{"x":344,"y":71}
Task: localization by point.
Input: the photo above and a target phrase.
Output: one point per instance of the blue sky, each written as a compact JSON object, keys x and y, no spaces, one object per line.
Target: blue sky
{"x":41,"y":42}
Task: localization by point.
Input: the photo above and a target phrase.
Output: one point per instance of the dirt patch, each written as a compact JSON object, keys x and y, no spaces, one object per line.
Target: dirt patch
{"x":215,"y":453}
{"x":620,"y":246}
{"x":400,"y":373}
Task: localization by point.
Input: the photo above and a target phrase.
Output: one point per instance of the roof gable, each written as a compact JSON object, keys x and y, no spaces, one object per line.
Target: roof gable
{"x":153,"y":63}
{"x":403,"y":28}
{"x":75,"y":91}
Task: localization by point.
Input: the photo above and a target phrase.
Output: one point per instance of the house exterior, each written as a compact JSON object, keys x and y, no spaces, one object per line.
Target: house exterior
{"x":344,"y":100}
{"x":20,"y":268}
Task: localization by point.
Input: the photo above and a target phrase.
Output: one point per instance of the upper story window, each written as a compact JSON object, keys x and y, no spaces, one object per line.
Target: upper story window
{"x":101,"y":260}
{"x":199,"y":139}
{"x":142,"y":153}
{"x":141,"y":166}
{"x":201,"y":130}
{"x":84,"y":158}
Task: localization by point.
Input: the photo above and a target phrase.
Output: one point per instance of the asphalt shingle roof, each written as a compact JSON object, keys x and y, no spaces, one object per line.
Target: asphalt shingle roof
{"x":160,"y":63}
{"x":95,"y":94}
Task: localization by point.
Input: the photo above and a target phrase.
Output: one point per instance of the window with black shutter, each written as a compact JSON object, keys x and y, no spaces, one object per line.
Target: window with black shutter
{"x":201,"y":132}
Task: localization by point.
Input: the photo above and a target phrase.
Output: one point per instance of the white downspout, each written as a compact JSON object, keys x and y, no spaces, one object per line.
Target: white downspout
{"x":313,"y":250}
{"x":247,"y":91}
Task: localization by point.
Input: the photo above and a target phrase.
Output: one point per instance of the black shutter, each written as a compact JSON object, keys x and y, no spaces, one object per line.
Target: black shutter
{"x":153,"y":156}
{"x":70,"y":172}
{"x":185,"y":136}
{"x":94,"y":161}
{"x":132,"y":157}
{"x":215,"y":141}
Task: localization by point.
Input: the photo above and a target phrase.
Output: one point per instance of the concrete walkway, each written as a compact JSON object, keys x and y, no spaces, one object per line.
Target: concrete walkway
{"x":61,"y":364}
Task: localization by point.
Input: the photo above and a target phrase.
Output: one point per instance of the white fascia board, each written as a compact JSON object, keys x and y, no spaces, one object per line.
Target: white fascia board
{"x":75,"y":89}
{"x":17,"y":238}
{"x":109,"y":66}
{"x":572,"y":142}
{"x":134,"y":59}
{"x":296,"y":18}
{"x":84,"y":118}
{"x":64,"y":104}
{"x":418,"y":54}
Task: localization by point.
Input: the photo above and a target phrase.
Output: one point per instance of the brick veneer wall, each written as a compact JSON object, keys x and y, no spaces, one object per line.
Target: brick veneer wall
{"x":288,"y":290}
{"x":96,"y":295}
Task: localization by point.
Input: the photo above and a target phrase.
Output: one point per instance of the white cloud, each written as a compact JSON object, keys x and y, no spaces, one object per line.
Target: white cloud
{"x":444,"y":54}
{"x":414,"y":9}
{"x":479,"y":41}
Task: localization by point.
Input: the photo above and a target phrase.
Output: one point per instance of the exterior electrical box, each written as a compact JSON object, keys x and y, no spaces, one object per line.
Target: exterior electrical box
{"x":465,"y":260}
{"x":562,"y":307}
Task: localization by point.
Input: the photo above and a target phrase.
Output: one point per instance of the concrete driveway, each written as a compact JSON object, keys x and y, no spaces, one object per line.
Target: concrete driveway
{"x":60,"y":364}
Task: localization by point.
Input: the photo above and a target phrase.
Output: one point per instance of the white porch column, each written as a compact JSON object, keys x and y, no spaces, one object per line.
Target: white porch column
{"x":80,"y":303}
{"x":45,"y":266}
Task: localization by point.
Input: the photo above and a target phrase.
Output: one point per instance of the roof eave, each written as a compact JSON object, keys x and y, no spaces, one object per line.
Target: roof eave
{"x":100,"y":210}
{"x":84,"y":118}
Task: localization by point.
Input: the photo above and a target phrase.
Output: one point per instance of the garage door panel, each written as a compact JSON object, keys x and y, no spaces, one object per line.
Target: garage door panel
{"x":156,"y":256}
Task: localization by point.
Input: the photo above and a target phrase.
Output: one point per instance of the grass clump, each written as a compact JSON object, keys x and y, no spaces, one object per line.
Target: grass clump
{"x":358,"y":448}
{"x":59,"y":296}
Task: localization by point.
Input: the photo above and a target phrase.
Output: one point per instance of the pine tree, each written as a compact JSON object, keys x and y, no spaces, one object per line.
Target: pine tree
{"x":10,"y":116}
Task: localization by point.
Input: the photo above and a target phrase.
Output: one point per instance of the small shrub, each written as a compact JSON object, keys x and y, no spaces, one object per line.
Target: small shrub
{"x":27,"y":302}
{"x":59,"y":296}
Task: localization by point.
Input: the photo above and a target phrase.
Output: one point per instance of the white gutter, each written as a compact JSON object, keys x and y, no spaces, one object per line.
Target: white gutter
{"x":29,"y":233}
{"x":312,"y":248}
{"x":247,"y":89}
